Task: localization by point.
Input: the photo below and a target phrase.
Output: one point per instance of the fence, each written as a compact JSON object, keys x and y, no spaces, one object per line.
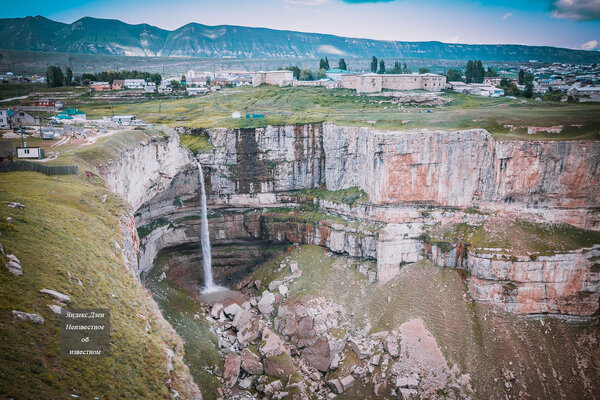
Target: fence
{"x":44,"y":169}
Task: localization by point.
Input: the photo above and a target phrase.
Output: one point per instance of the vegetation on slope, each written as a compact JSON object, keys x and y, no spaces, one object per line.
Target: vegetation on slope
{"x":302,"y":105}
{"x":68,"y":233}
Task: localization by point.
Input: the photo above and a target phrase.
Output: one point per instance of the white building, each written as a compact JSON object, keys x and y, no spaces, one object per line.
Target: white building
{"x":135,"y":83}
{"x":4,"y":120}
{"x":279,"y":78}
{"x":30,"y":152}
{"x":165,"y":88}
{"x":124,"y":120}
{"x":150,"y":87}
{"x":195,"y":91}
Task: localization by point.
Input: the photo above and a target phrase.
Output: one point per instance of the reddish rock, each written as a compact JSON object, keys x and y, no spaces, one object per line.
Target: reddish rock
{"x":251,"y":363}
{"x":232,"y":368}
{"x":318,"y":354}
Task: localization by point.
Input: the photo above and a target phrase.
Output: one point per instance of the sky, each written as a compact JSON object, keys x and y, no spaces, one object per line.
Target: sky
{"x":562,"y":23}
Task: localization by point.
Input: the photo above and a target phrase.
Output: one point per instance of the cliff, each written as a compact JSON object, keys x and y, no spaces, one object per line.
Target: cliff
{"x":376,"y":195}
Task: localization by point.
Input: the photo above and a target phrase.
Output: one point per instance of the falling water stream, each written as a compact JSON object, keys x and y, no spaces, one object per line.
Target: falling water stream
{"x":209,"y":285}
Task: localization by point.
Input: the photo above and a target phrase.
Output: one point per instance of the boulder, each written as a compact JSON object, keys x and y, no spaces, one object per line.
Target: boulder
{"x":63,"y":298}
{"x":391,"y":345}
{"x":265,"y":305}
{"x":55,"y":309}
{"x":294,"y":267}
{"x":241,"y":319}
{"x":272,"y":345}
{"x":358,"y":349}
{"x":283,"y":289}
{"x":249,"y":333}
{"x":232,"y":369}
{"x":251,"y":363}
{"x":375,"y":360}
{"x":231,"y":310}
{"x":14,"y":268}
{"x":246,"y":383}
{"x":14,"y":204}
{"x":407,"y":382}
{"x":336,"y":386}
{"x":274,"y":285}
{"x":216,"y":310}
{"x":347,"y":382}
{"x":280,"y":366}
{"x":23,"y":316}
{"x":318,"y":354}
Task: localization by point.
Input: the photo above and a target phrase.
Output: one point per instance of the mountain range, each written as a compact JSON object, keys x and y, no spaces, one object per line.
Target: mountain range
{"x":107,"y":36}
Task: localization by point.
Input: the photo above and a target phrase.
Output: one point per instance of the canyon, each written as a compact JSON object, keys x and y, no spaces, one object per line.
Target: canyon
{"x":376,"y":195}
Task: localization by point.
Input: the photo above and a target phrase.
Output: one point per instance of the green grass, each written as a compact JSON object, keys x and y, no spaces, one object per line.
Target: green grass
{"x":302,"y":105}
{"x":200,"y":344}
{"x":518,"y":236}
{"x":68,"y":233}
{"x":196,"y":143}
{"x":346,"y":196}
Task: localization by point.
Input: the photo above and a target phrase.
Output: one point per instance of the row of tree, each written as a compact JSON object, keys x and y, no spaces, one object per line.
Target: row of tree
{"x":56,"y":78}
{"x":378,"y":67}
{"x":474,"y":73}
{"x":110,"y":76}
{"x":324,"y":64}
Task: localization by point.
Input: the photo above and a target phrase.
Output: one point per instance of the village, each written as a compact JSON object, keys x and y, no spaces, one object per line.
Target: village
{"x":51,"y":116}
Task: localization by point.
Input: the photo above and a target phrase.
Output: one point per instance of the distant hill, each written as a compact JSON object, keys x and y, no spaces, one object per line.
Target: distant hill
{"x":107,"y":36}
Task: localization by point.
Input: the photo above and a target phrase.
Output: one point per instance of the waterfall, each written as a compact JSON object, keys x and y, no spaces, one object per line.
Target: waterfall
{"x":205,"y":238}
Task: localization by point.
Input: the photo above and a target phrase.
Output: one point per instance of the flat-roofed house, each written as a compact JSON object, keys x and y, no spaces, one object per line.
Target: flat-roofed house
{"x":278,"y":78}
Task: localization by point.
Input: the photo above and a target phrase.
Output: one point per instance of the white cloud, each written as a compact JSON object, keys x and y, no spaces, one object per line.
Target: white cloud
{"x":506,"y":16}
{"x":591,"y":45}
{"x":576,"y":10}
{"x":453,"y":39}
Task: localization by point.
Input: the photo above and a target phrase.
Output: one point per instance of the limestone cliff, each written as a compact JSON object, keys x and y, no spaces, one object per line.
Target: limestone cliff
{"x":261,"y":186}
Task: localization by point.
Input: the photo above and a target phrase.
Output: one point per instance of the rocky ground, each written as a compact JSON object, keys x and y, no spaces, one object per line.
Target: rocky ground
{"x":312,"y":325}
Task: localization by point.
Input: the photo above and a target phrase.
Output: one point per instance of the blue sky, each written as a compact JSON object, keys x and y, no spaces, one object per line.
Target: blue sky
{"x":563,"y":23}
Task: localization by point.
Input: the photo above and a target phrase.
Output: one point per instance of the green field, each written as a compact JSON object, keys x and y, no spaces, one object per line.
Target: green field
{"x":302,"y":105}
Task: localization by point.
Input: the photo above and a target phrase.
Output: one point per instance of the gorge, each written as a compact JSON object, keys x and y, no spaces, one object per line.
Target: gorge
{"x":519,"y":219}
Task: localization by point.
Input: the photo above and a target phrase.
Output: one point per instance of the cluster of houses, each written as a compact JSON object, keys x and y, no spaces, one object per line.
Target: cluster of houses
{"x":9,"y":77}
{"x":134,"y":84}
{"x":489,"y":87}
{"x":362,"y":83}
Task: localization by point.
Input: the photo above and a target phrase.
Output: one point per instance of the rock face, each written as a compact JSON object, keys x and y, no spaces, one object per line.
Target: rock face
{"x":413,"y":181}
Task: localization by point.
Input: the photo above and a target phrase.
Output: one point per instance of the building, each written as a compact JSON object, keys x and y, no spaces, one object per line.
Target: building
{"x":373,"y":83}
{"x":44,"y":103}
{"x":21,"y":118}
{"x":279,"y":78}
{"x":492,"y":80}
{"x":118,"y":84}
{"x":150,"y":87}
{"x":73,"y":113}
{"x":100,"y":86}
{"x":458,"y":86}
{"x":349,"y":81}
{"x":30,"y":152}
{"x":165,"y":88}
{"x":124,"y":120}
{"x":134,"y":83}
{"x":195,"y":91}
{"x":486,"y":90}
{"x":241,"y":81}
{"x":5,"y":118}
{"x":585,"y":93}
{"x":335,"y":73}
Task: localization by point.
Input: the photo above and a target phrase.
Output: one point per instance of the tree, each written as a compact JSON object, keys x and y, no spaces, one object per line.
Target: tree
{"x":490,"y":73}
{"x":453,"y":75}
{"x":327,"y":64}
{"x":306,"y":75}
{"x":342,"y":64}
{"x":175,"y":84}
{"x":321,"y":73}
{"x":528,"y":92}
{"x":295,"y":70}
{"x":479,"y":72}
{"x":322,"y":63}
{"x":69,"y":76}
{"x":54,"y":76}
{"x":424,"y":70}
{"x":183,"y":81}
{"x":381,"y":67}
{"x":521,"y":77}
{"x":405,"y":69}
{"x":397,"y":68}
{"x":374,"y":64}
{"x":469,"y":71}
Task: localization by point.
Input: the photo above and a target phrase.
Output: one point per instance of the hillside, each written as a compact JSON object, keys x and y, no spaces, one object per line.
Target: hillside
{"x":104,"y":36}
{"x":68,"y":238}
